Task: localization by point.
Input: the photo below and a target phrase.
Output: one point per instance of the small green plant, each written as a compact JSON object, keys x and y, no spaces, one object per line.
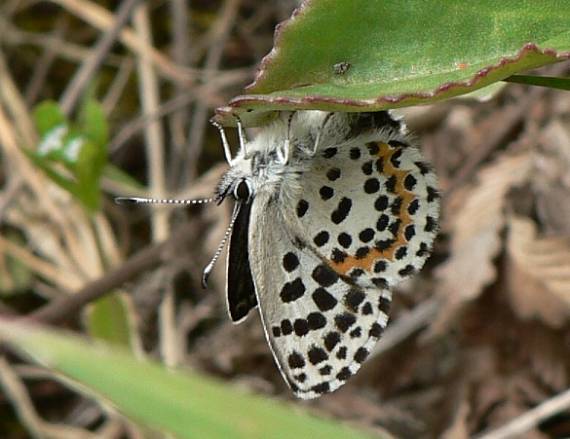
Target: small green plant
{"x":73,"y":153}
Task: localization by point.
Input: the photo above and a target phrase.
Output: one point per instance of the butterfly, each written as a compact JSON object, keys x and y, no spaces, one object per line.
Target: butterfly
{"x":331,"y":211}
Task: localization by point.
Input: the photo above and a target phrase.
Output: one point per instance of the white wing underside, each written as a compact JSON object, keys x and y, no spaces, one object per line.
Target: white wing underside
{"x":320,"y":328}
{"x":328,"y":242}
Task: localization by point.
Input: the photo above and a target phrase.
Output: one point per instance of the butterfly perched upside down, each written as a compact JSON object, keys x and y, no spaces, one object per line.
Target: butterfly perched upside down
{"x":331,"y":211}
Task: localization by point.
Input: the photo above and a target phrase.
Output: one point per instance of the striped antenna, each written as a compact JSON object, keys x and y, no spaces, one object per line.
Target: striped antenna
{"x":210,"y":266}
{"x":141,"y":200}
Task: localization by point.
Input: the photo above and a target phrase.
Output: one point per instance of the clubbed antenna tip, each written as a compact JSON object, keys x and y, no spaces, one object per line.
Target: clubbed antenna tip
{"x":126,"y":200}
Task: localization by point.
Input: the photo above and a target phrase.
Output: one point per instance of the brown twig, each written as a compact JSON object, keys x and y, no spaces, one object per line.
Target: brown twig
{"x":529,"y":420}
{"x":200,"y":115}
{"x":102,"y":47}
{"x":67,"y":307}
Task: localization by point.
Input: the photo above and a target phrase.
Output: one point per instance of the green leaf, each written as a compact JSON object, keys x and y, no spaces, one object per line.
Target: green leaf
{"x":88,"y":169}
{"x":542,"y":81}
{"x":93,"y":124}
{"x":47,"y":116}
{"x":111,"y":319}
{"x":187,"y":405}
{"x":44,"y":164}
{"x":367,"y":55}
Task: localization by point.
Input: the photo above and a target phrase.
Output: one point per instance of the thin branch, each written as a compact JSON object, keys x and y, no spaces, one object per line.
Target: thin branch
{"x":531,"y":419}
{"x":202,"y":93}
{"x":102,"y":19}
{"x":67,"y":307}
{"x":181,"y":50}
{"x":83,"y":76}
{"x":200,"y":115}
{"x":43,"y":65}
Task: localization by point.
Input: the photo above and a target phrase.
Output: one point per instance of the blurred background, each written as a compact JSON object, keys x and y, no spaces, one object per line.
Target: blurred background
{"x":112,"y":98}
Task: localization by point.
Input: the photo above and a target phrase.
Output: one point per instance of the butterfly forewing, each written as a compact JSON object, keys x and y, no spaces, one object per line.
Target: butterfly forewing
{"x":320,"y":327}
{"x":240,"y":290}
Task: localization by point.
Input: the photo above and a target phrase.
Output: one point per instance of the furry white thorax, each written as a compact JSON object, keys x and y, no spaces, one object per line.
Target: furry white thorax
{"x":279,"y":154}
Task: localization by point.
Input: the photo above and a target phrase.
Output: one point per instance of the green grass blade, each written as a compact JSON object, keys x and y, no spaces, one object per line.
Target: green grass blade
{"x":541,"y":81}
{"x":186,"y":404}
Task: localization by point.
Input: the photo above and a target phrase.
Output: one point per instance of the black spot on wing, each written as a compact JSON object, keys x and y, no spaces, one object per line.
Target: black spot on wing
{"x":333,"y":174}
{"x":324,"y":275}
{"x":431,"y":224}
{"x":344,"y":321}
{"x":321,"y":388}
{"x":410,"y":182}
{"x":407,"y":270}
{"x":286,"y":327}
{"x":321,"y":238}
{"x":338,"y":256}
{"x":371,"y":186}
{"x":361,"y":355}
{"x":326,"y":193}
{"x":367,"y":167}
{"x":344,"y":374}
{"x":344,"y":239}
{"x":290,"y":262}
{"x":413,"y":206}
{"x":331,"y":340}
{"x":302,"y":207}
{"x":329,"y":153}
{"x":355,"y":153}
{"x":317,"y":355}
{"x":381,"y":203}
{"x":342,"y":210}
{"x":366,"y":235}
{"x":301,"y":327}
{"x":354,"y":298}
{"x":323,"y":299}
{"x":316,"y":320}
{"x":296,"y":360}
{"x":292,"y":291}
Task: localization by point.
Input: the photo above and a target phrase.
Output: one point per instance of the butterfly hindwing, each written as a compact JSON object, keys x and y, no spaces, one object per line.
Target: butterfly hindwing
{"x":369,"y":206}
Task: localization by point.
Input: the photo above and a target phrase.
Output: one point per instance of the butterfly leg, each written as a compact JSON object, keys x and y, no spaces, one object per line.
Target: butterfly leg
{"x":227,"y":150}
{"x":320,"y":133}
{"x":241,"y":134}
{"x":284,"y":153}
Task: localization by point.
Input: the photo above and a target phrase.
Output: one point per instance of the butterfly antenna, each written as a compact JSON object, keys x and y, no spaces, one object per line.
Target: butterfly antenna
{"x":142,"y":200}
{"x":210,"y":266}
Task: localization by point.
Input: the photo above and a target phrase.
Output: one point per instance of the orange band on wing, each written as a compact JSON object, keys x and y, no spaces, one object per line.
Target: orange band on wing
{"x":366,"y":263}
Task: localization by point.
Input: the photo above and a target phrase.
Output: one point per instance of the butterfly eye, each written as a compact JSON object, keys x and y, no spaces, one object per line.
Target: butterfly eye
{"x":241,"y":191}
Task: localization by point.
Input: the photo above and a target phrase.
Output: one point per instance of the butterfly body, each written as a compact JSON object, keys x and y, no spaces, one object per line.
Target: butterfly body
{"x":331,"y":211}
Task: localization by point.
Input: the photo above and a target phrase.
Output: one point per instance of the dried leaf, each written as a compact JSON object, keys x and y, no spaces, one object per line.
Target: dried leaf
{"x":538,"y":273}
{"x":475,"y":233}
{"x":551,"y":179}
